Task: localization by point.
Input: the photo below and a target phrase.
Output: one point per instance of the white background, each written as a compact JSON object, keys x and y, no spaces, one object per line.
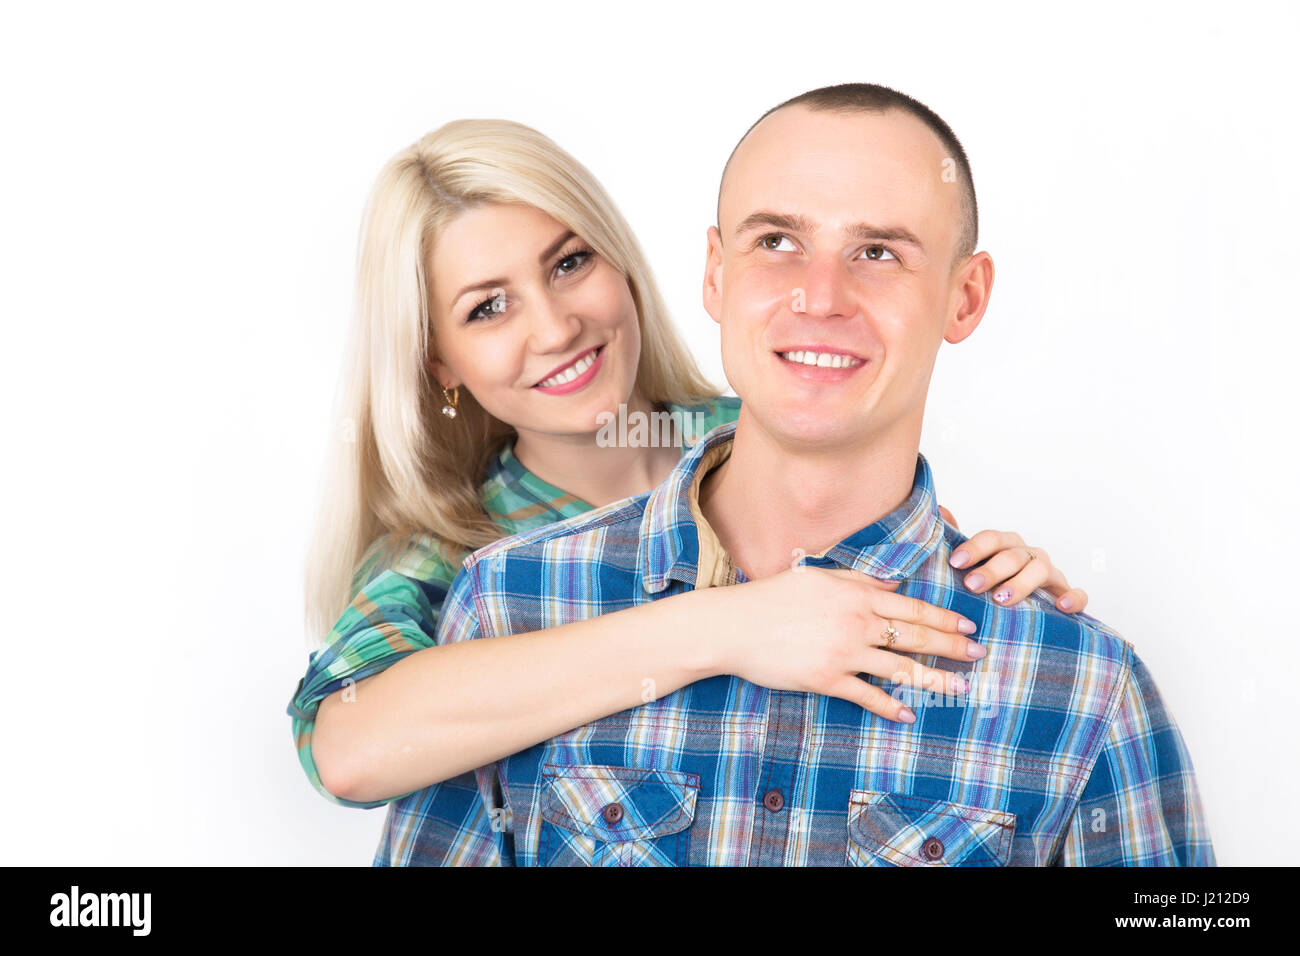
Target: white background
{"x":179,"y":204}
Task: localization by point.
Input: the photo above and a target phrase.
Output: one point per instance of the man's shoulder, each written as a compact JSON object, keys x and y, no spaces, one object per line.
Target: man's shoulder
{"x":1099,"y":631}
{"x":1089,"y":632}
{"x":591,"y":533}
{"x":567,"y":571}
{"x":1082,"y":652}
{"x":1077,"y":643}
{"x":1040,"y":655}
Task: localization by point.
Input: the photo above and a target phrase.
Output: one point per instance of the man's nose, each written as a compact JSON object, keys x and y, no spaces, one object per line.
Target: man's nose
{"x":826,"y":288}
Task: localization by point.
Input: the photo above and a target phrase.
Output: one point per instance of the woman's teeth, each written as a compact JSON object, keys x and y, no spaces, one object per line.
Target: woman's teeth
{"x":823,"y":359}
{"x":570,"y":373}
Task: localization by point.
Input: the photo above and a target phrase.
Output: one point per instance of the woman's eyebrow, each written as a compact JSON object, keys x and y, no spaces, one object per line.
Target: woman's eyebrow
{"x":550,"y":250}
{"x":473,"y":286}
{"x":554,"y":247}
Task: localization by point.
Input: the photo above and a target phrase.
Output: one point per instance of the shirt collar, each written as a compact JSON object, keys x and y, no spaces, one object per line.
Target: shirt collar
{"x":511,"y":493}
{"x":891,"y":548}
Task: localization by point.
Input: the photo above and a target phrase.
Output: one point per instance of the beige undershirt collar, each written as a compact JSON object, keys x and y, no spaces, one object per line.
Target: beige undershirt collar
{"x":715,"y":568}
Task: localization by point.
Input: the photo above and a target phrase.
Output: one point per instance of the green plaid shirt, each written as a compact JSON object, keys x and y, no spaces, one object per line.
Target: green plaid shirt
{"x":398,"y":598}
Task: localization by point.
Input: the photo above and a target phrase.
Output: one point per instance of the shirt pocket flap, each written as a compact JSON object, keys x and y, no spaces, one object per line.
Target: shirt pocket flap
{"x":617,"y":804}
{"x":894,"y":829}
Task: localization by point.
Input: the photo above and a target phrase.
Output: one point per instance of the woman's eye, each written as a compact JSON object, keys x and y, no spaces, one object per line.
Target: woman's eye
{"x":488,"y":307}
{"x":773,"y":242}
{"x":573,"y":262}
{"x":877,"y":253}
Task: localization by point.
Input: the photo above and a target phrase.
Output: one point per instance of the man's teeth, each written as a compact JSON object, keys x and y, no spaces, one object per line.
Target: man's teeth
{"x":824,"y":359}
{"x":570,"y":373}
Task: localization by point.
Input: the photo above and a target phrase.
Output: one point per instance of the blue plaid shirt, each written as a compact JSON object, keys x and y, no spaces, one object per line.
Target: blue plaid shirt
{"x":1061,"y":753}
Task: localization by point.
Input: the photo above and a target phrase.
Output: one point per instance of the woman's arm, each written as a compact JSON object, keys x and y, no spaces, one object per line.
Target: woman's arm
{"x":394,"y":614}
{"x":447,"y":709}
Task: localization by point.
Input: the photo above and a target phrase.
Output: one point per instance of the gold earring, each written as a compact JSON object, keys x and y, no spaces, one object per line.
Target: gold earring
{"x":452,"y":399}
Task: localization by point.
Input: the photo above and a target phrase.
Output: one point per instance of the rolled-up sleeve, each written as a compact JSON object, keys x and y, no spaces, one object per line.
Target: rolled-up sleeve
{"x":392,"y":616}
{"x":1141,"y":805}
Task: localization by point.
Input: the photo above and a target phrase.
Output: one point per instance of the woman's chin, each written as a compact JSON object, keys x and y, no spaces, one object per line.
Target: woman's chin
{"x":579,"y":413}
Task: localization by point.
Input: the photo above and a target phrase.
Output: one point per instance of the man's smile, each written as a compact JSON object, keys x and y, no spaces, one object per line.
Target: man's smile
{"x":821,"y":363}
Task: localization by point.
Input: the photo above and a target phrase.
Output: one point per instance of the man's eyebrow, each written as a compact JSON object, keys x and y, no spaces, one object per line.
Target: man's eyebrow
{"x":862,"y":231}
{"x":865,"y":231}
{"x":777,"y":220}
{"x":549,"y":251}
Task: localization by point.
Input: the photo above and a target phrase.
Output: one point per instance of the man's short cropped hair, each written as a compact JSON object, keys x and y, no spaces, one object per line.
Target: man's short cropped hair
{"x":873,"y":98}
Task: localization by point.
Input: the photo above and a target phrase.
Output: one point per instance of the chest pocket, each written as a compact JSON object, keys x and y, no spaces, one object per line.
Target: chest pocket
{"x":893,"y":829}
{"x":615,"y":816}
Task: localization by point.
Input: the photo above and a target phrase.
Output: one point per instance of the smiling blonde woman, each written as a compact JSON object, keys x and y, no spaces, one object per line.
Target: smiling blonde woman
{"x":504,"y":313}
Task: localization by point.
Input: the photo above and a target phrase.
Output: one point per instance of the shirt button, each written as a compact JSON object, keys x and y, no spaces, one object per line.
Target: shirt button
{"x":773,"y":800}
{"x":932,"y":849}
{"x":613,"y":812}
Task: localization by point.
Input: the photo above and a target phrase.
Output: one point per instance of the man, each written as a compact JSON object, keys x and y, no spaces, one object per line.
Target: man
{"x":843,"y":255}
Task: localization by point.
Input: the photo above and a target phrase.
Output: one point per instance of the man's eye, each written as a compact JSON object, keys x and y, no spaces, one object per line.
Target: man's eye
{"x":877,"y":253}
{"x":773,"y":241}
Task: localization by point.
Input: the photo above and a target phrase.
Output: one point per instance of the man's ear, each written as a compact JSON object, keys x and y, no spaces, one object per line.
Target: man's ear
{"x":713,"y":275}
{"x":972,"y":287}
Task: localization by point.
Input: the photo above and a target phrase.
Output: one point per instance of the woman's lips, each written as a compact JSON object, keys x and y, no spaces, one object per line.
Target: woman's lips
{"x":574,"y":375}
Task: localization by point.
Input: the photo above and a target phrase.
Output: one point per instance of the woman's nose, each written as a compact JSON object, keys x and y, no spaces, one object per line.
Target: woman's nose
{"x":553,"y":325}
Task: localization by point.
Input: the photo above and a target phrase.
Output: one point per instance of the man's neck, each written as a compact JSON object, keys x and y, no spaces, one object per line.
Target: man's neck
{"x":768,"y":503}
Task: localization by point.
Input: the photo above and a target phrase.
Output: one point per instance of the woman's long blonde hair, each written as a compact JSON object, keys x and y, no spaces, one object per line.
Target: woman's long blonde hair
{"x":399,"y":468}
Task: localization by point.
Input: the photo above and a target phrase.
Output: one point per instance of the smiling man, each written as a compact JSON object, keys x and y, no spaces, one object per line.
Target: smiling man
{"x":844,"y":254}
{"x":848,"y":256}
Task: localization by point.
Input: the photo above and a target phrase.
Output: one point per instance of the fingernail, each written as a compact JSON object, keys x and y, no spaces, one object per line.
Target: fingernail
{"x":975,"y":582}
{"x":965,"y":626}
{"x":1003,"y":596}
{"x":906,"y":716}
{"x":1067,"y":603}
{"x":974,"y":651}
{"x":959,"y":559}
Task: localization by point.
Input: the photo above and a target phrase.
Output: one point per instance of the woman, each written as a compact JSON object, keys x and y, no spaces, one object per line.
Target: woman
{"x":504,"y":308}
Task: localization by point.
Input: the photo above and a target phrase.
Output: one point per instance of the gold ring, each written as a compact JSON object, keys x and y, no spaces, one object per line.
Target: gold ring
{"x":1031,"y":554}
{"x":890,"y":634}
